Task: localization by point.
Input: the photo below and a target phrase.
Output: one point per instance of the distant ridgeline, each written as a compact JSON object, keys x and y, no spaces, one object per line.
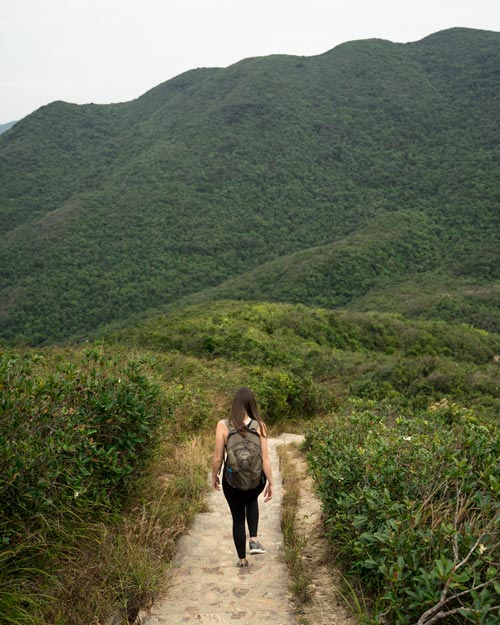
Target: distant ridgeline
{"x":4,"y":127}
{"x":362,"y":178}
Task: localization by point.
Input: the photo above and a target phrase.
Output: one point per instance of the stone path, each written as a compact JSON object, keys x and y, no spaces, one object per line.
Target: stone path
{"x":206,"y":587}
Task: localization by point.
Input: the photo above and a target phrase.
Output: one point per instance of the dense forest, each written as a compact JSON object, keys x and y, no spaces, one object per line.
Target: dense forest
{"x":365,"y":178}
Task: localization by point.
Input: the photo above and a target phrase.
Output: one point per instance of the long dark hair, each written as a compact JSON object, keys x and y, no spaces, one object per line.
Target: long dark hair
{"x":244,"y":403}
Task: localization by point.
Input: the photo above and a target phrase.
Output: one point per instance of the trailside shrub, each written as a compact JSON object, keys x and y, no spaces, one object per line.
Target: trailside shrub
{"x":284,"y":396}
{"x":71,"y":435}
{"x":413,"y":504}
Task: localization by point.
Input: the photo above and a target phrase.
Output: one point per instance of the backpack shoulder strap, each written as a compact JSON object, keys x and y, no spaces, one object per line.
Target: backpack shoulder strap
{"x":254,"y":426}
{"x":230,"y":428}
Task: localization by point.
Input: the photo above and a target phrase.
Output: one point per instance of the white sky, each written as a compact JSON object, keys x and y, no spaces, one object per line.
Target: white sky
{"x":115,"y":50}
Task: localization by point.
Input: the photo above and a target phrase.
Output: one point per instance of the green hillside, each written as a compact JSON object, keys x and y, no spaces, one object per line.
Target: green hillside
{"x":105,"y":450}
{"x":357,"y":178}
{"x":371,"y":355}
{"x":388,"y":265}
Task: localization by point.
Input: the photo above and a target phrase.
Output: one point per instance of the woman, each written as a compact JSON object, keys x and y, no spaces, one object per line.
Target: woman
{"x":243,"y":503}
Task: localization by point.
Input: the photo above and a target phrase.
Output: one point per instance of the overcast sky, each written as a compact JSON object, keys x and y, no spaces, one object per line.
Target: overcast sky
{"x":114,"y":50}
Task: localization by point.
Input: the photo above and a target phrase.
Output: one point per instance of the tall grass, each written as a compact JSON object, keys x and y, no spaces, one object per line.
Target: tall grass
{"x":75,"y":571}
{"x":294,"y":540}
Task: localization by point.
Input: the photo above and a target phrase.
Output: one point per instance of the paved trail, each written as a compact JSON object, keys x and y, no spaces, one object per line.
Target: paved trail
{"x":206,"y":587}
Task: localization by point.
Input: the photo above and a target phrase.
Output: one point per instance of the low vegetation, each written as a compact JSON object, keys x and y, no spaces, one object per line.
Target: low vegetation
{"x":312,"y":357}
{"x":293,"y":538}
{"x":105,"y":452}
{"x":412,"y":504}
{"x":97,"y":482}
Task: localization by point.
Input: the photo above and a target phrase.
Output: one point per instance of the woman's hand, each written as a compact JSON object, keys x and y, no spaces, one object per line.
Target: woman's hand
{"x":268,"y":492}
{"x":216,"y":482}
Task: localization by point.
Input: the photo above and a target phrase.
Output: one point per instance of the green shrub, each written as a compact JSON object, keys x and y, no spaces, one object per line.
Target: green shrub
{"x":284,"y":396}
{"x":73,"y":435}
{"x":413,"y":505}
{"x":76,"y":432}
{"x":191,"y":409}
{"x":366,"y":355}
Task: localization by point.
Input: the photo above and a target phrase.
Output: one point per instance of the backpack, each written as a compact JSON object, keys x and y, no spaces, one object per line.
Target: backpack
{"x":243,"y":465}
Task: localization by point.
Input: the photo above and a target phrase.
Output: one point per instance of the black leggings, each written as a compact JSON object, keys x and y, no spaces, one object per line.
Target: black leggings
{"x":243,"y":505}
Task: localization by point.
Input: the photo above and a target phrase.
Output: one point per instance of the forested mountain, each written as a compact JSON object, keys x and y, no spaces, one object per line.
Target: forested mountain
{"x":366,"y":177}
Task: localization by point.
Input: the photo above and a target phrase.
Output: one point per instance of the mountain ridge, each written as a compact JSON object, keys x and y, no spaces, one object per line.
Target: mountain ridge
{"x":107,"y":210}
{"x":6,"y":126}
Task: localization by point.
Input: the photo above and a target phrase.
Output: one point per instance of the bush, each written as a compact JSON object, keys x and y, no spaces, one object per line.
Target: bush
{"x":94,"y":488}
{"x":285,"y":396}
{"x":413,"y":504}
{"x":72,"y":436}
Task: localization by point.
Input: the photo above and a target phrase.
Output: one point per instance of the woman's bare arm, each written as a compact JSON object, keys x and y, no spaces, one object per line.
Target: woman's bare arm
{"x":266,"y":465}
{"x":220,"y":441}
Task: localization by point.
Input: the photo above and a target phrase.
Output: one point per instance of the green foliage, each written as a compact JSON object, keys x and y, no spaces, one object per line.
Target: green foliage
{"x":283,"y":334}
{"x":413,"y":504}
{"x":73,"y":435}
{"x":79,"y":426}
{"x":342,"y":179}
{"x":294,"y":348}
{"x":284,"y":397}
{"x":86,"y":525}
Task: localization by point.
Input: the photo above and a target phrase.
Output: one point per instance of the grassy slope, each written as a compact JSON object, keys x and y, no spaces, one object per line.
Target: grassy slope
{"x":108,"y":211}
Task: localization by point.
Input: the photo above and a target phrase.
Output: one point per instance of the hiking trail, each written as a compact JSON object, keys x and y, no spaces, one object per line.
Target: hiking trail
{"x":205,"y":586}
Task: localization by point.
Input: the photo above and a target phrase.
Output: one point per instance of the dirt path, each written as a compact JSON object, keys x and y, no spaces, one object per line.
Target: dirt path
{"x":206,"y":588}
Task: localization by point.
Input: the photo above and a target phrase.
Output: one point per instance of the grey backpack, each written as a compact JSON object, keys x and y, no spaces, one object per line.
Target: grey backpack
{"x":243,"y":466}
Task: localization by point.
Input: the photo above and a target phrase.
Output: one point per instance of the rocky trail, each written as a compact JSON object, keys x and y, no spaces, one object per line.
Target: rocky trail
{"x":205,"y":586}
